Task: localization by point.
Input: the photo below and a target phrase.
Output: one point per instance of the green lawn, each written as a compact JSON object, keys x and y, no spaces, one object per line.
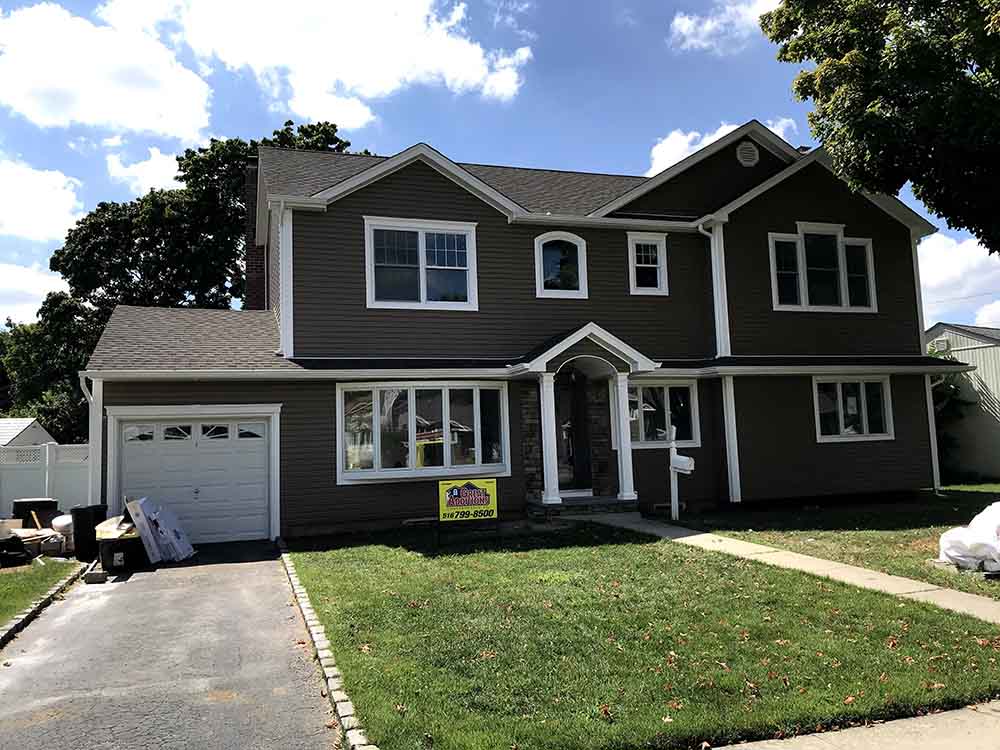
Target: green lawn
{"x":20,"y":586}
{"x":592,"y":637}
{"x":899,"y":538}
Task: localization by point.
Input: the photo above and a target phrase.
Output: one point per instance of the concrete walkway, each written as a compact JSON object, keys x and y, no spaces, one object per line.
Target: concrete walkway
{"x":974,"y":728}
{"x":957,"y":601}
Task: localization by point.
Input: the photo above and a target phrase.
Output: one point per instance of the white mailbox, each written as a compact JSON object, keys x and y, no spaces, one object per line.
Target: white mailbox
{"x":682,"y":464}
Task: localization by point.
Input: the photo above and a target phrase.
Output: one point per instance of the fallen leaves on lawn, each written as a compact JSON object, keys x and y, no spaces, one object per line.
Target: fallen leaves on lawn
{"x":487,"y":654}
{"x":401,"y":709}
{"x":605,"y":711}
{"x":365,"y":648}
{"x":667,"y":720}
{"x":849,"y":700}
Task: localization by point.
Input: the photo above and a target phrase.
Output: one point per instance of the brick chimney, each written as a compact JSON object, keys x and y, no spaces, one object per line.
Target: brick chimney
{"x":254,"y":299}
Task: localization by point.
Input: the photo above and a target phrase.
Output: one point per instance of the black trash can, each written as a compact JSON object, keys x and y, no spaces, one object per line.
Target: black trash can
{"x":85,"y":520}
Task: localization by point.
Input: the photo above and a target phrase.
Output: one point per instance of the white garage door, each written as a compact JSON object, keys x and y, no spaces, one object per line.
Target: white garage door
{"x":212,"y":474}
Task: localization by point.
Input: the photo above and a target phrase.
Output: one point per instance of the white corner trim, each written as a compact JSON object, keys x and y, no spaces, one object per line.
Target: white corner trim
{"x":421,"y":227}
{"x":765,"y":137}
{"x":581,"y":259}
{"x":270,"y":412}
{"x":732,"y":439}
{"x":865,"y":436}
{"x":287,"y":328}
{"x":95,"y":438}
{"x":932,"y":426}
{"x":662,"y":287}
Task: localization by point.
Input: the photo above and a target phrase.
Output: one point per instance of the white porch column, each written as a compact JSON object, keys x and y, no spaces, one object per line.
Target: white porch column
{"x":550,"y":458}
{"x":626,"y":488}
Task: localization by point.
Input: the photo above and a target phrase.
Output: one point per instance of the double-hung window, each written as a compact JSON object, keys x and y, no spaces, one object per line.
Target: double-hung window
{"x":414,"y":264}
{"x":656,"y":407}
{"x":647,"y":263}
{"x":852,"y":409}
{"x":391,"y":431}
{"x":820,"y":269}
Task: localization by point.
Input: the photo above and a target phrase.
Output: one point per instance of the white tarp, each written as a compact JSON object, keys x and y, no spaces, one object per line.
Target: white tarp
{"x":976,"y":546}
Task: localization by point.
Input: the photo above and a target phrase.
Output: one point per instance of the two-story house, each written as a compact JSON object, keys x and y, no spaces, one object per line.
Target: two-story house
{"x":411,"y":319}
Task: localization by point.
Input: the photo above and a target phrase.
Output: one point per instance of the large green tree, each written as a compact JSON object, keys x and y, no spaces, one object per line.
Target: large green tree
{"x":169,"y":248}
{"x":904,"y":91}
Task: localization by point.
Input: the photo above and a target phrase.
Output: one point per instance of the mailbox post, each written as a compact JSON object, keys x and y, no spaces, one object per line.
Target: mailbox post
{"x":678,"y":465}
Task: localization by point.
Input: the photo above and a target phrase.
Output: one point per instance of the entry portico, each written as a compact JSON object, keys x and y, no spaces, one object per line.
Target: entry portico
{"x":597,"y":355}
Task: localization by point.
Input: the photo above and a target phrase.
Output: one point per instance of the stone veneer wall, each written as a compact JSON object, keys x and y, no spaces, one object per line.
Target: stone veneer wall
{"x":531,"y":442}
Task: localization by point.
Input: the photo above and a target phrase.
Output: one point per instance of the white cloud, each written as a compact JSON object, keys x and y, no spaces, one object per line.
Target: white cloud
{"x":677,"y":144}
{"x":22,"y":289}
{"x":958,"y":278}
{"x":724,"y":30}
{"x":507,"y":13}
{"x":36,"y":204}
{"x":58,"y":69}
{"x":158,"y":171}
{"x":113,"y":141}
{"x":989,"y":315}
{"x":332,"y":61}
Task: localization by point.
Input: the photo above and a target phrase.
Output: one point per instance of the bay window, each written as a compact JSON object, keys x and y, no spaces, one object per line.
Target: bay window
{"x":415,"y":264}
{"x":819,"y":269}
{"x":410,"y":430}
{"x":852,"y":409}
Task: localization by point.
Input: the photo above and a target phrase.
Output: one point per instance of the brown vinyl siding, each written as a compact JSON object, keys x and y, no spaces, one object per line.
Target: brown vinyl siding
{"x":781,"y":458}
{"x":707,"y":486}
{"x":713,"y":182}
{"x":273,"y":264}
{"x":311,"y":500}
{"x":815,"y":195}
{"x":331,"y":317}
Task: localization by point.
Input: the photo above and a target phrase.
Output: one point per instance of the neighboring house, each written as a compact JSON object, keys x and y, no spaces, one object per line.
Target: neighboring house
{"x":411,"y":319}
{"x":26,"y":431}
{"x":976,"y":452}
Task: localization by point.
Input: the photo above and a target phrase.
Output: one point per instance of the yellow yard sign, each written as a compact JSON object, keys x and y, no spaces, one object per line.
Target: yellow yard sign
{"x":467,"y":500}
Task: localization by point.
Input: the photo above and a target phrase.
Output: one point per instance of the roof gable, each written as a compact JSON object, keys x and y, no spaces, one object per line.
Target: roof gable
{"x":635,"y":360}
{"x":980,"y":333}
{"x":11,"y":427}
{"x":760,"y":133}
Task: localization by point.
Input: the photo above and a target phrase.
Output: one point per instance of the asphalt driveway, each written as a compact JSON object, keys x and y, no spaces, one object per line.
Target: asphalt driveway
{"x":205,"y":655}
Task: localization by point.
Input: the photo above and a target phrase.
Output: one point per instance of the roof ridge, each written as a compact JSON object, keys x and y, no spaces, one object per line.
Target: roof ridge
{"x":548,"y":169}
{"x":321,"y":151}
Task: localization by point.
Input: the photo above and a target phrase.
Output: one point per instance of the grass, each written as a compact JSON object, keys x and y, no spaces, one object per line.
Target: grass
{"x":20,"y":586}
{"x":899,"y":538}
{"x":592,"y":637}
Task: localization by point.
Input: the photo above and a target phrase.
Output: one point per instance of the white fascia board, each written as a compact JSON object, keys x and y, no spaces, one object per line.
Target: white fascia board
{"x":639,"y":361}
{"x":765,"y":137}
{"x":433,"y":158}
{"x":890,"y":205}
{"x":298,"y":202}
{"x":568,"y":220}
{"x":282,"y":374}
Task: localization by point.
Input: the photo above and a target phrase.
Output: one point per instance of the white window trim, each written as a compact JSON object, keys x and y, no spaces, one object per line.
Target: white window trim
{"x":581,"y":249}
{"x":806,"y":227}
{"x":648,"y":238}
{"x":890,"y":433}
{"x":421,"y":226}
{"x":694,"y":442}
{"x":372,"y":476}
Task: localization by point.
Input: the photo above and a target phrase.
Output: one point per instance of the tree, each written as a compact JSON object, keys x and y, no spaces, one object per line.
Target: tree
{"x":168,"y":248}
{"x":904,"y":90}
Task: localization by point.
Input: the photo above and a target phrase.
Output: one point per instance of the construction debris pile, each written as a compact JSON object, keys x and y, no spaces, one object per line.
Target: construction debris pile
{"x":976,"y":546}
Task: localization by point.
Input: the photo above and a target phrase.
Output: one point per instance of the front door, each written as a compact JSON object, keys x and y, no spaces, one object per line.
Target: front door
{"x":572,"y":431}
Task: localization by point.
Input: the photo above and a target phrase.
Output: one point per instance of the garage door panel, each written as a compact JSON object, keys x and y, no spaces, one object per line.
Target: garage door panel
{"x":217,"y":488}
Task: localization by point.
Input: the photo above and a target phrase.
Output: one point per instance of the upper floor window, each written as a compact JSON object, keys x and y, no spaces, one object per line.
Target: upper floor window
{"x":647,"y":263}
{"x":820,"y":269}
{"x":852,"y":409}
{"x":560,"y":266}
{"x":415,"y":264}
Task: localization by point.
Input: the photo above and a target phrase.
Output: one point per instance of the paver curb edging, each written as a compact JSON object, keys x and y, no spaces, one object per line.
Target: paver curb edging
{"x":343,"y":707}
{"x":20,"y":621}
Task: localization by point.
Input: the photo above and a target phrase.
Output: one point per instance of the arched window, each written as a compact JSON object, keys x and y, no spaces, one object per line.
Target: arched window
{"x":560,"y":266}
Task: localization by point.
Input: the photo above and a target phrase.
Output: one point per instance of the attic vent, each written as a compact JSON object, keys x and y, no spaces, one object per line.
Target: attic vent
{"x":941,"y":345}
{"x":747,"y":154}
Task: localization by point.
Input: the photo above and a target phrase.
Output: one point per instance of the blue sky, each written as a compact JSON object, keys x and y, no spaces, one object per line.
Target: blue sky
{"x":96,"y":98}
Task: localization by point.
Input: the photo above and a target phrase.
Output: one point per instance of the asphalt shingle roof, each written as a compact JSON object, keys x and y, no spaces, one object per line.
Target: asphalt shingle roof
{"x":984,"y":331}
{"x":305,"y":173}
{"x":167,"y":338}
{"x":11,"y":427}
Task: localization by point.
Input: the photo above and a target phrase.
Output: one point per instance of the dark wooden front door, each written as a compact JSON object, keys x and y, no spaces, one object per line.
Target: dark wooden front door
{"x":572,"y":431}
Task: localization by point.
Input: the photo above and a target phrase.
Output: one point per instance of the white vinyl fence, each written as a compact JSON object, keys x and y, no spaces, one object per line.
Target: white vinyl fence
{"x":51,"y":470}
